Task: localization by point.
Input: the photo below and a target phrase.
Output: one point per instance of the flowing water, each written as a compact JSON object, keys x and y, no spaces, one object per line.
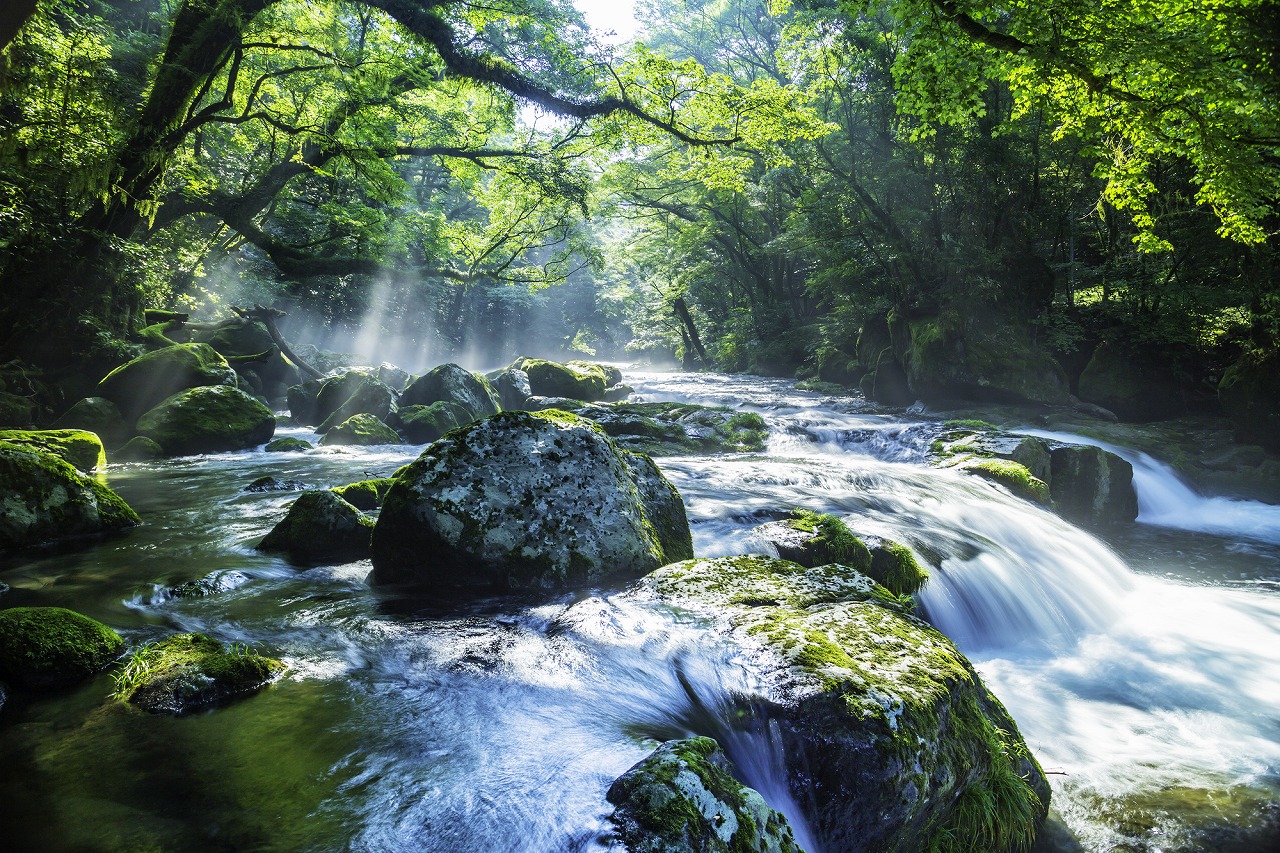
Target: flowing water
{"x":1142,"y":670}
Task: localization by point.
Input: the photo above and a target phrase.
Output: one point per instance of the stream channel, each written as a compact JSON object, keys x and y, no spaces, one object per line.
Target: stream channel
{"x":1143,"y":669}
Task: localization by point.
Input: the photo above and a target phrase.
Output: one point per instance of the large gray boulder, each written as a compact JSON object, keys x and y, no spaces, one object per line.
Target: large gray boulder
{"x":513,"y":388}
{"x":684,"y":799}
{"x":144,"y":382}
{"x":46,"y":499}
{"x":888,"y":733}
{"x":522,"y":500}
{"x":453,"y":384}
{"x":211,"y":419}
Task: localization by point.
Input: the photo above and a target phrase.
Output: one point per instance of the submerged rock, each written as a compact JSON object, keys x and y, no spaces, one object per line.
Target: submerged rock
{"x":46,"y":499}
{"x":186,"y":672}
{"x":887,"y":730}
{"x":362,"y":431}
{"x":518,"y":500}
{"x":49,"y":647}
{"x":320,"y":528}
{"x":450,"y":383}
{"x":81,"y":449}
{"x":667,"y":429}
{"x":683,"y":799}
{"x":99,"y":416}
{"x":208,"y":420}
{"x":271,"y":484}
{"x":214,"y":583}
{"x":144,"y":382}
{"x":353,"y":393}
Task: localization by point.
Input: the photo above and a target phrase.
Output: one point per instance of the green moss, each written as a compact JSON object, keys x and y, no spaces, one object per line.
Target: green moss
{"x":577,"y":380}
{"x":969,"y":423}
{"x":364,"y":495}
{"x":44,"y":647}
{"x":144,"y":382}
{"x":361,"y":430}
{"x":287,"y":444}
{"x":833,"y":541}
{"x":209,"y":419}
{"x":425,"y":424}
{"x":1014,"y":477}
{"x":320,"y":527}
{"x":189,"y":671}
{"x":998,"y":812}
{"x":894,"y":567}
{"x":82,"y":449}
{"x":47,"y":499}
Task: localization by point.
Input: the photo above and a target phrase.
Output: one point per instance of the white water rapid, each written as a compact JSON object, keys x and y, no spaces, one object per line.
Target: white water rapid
{"x":1154,"y":704}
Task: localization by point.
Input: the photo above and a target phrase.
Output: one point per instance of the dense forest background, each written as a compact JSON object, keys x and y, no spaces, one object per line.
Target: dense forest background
{"x":931,"y":198}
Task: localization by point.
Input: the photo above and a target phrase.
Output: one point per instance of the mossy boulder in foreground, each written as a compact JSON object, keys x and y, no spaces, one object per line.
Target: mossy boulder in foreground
{"x":683,"y":799}
{"x":49,"y":647}
{"x":320,"y":527}
{"x":887,"y":730}
{"x":523,"y":500}
{"x":208,"y":420}
{"x":140,"y":384}
{"x":80,"y":448}
{"x":187,"y":672}
{"x":361,"y":431}
{"x":45,"y":499}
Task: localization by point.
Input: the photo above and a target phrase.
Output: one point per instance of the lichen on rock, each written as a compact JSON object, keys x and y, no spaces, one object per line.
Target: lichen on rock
{"x":520,"y":500}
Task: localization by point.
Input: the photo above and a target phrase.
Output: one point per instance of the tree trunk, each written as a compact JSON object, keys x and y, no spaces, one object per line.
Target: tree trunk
{"x":690,"y":331}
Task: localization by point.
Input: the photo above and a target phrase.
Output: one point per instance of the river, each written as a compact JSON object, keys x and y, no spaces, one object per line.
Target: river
{"x":1142,"y":669}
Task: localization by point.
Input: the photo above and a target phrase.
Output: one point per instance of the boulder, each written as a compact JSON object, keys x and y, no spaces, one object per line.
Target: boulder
{"x":1250,"y":395}
{"x":815,"y":539}
{"x":353,"y":393}
{"x":453,"y":384}
{"x":208,"y":420}
{"x":188,"y":672}
{"x":81,"y":449}
{"x":517,"y":500}
{"x":1135,"y":389}
{"x":513,"y":388}
{"x":97,"y":415}
{"x":366,"y":494}
{"x":237,"y":337}
{"x":975,"y":356}
{"x":214,"y":583}
{"x":663,"y":506}
{"x":46,"y":499}
{"x":301,"y":400}
{"x":360,"y":430}
{"x":141,"y":384}
{"x":1092,"y":486}
{"x":49,"y":647}
{"x":392,"y":376}
{"x":287,"y":444}
{"x":424,"y":424}
{"x":887,"y":731}
{"x":617,"y":393}
{"x":683,"y":799}
{"x":139,"y":449}
{"x":577,"y":380}
{"x":320,"y":528}
{"x":977,"y":438}
{"x":666,"y":429}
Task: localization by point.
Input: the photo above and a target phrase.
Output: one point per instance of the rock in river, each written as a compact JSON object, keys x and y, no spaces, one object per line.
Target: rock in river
{"x":524,"y":500}
{"x":49,"y":647}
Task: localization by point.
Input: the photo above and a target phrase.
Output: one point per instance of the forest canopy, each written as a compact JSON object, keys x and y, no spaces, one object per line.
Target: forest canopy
{"x":747,"y":185}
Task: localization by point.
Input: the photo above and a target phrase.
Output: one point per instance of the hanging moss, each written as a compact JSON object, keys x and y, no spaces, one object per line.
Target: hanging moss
{"x":894,"y":567}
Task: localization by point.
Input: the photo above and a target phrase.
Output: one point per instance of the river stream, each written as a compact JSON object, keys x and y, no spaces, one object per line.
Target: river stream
{"x":1141,"y":669}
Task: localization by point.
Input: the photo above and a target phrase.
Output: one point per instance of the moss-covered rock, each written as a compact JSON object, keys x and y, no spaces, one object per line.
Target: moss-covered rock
{"x":1092,"y":486}
{"x":360,"y":430}
{"x":287,"y":444}
{"x":815,"y":539}
{"x":453,"y":384}
{"x":424,"y":424}
{"x":1013,"y":476}
{"x":321,"y":528}
{"x":978,"y":355}
{"x":48,"y":647}
{"x":517,"y":500}
{"x":684,"y":799}
{"x":353,"y":393}
{"x":187,"y":672}
{"x":886,"y":728}
{"x":366,"y":494}
{"x":139,"y":449}
{"x":894,"y":567}
{"x":978,"y":438}
{"x":46,"y":499}
{"x":663,"y":506}
{"x":668,"y":429}
{"x":237,"y":337}
{"x":1250,"y":395}
{"x":81,"y":449}
{"x":98,"y":415}
{"x":141,"y":384}
{"x":577,"y":380}
{"x":1134,"y":388}
{"x":617,"y":393}
{"x":210,"y":419}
